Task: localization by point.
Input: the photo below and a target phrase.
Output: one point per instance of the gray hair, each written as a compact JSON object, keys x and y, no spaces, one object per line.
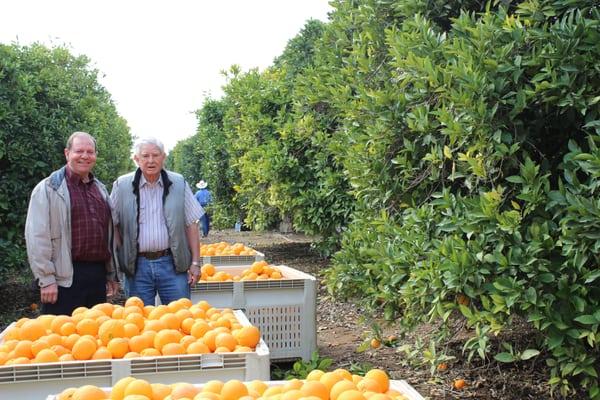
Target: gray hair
{"x":80,"y":134}
{"x":137,"y":148}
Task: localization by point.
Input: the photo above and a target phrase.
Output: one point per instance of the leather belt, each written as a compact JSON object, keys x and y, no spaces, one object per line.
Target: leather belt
{"x":153,"y":255}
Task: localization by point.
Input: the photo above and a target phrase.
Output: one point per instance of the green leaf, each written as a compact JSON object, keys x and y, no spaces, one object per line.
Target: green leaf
{"x":586,"y":319}
{"x":504,"y":357}
{"x":529,"y":353}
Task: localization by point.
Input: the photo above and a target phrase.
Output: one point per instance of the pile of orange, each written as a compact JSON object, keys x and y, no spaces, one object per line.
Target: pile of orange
{"x":112,"y":331}
{"x":226,"y":249}
{"x":259,"y":270}
{"x":337,"y":385}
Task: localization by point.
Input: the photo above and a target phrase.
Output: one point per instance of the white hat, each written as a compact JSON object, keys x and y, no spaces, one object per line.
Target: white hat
{"x":201,"y":185}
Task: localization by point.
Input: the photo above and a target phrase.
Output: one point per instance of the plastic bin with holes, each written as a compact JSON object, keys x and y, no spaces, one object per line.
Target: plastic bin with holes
{"x":232,"y":260}
{"x":399,"y":385}
{"x":284,"y":309}
{"x":37,"y":381}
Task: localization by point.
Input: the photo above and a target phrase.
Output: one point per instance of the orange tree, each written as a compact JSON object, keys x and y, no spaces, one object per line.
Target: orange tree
{"x":471,"y":148}
{"x":45,"y":95}
{"x":454,"y":145}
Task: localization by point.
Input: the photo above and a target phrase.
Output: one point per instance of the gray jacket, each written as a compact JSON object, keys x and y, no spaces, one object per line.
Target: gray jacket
{"x":127,"y":209}
{"x":48,"y":232}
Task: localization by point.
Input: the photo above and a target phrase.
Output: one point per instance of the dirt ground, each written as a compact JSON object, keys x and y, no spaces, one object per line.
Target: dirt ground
{"x":342,"y":328}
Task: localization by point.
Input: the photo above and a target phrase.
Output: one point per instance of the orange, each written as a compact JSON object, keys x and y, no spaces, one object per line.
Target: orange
{"x":186,"y":325}
{"x":184,"y":390}
{"x":118,"y":390}
{"x":59,"y":349}
{"x":160,"y":391}
{"x":58,"y":321}
{"x":87,"y":326}
{"x":242,"y":349}
{"x":226,"y":340}
{"x":132,"y":310}
{"x":154,"y":325}
{"x":89,"y":392}
{"x":32,"y":330}
{"x":329,"y":379}
{"x":102,"y":353}
{"x":459,"y":384}
{"x":106,"y":308}
{"x":341,"y":387}
{"x":83,"y":349}
{"x":111,"y":329}
{"x":187,"y":340}
{"x":118,"y":312}
{"x":70,"y":340}
{"x":314,"y":375}
{"x":172,"y":349}
{"x":46,"y":356}
{"x":138,"y":386}
{"x":248,"y":336}
{"x":379,"y":396}
{"x":150,"y":352}
{"x":197,"y":347}
{"x":199,"y":329}
{"x":257,"y":386}
{"x":79,"y":310}
{"x":292,"y":394}
{"x":369,"y":385}
{"x":272,"y":391}
{"x":23,"y":349}
{"x":139,"y":342}
{"x":137,"y":319}
{"x":130,"y":330}
{"x":187,"y":303}
{"x":204,"y":305}
{"x":343,"y":373}
{"x":208,"y":269}
{"x":233,"y":390}
{"x":134,"y":301}
{"x":183,"y":314}
{"x":93,"y":314}
{"x":315,"y":388}
{"x":209,"y":339}
{"x":132,"y":354}
{"x":207,"y":396}
{"x":158,"y":312}
{"x":67,"y":329}
{"x":291,"y":385}
{"x":381,"y":377}
{"x":166,"y":336}
{"x":38,"y":346}
{"x":66,"y":357}
{"x":213,"y":386}
{"x":170,"y":320}
{"x":351,"y":395}
{"x":118,"y":347}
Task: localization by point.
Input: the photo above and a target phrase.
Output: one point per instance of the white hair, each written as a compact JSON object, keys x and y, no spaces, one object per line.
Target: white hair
{"x":137,"y":147}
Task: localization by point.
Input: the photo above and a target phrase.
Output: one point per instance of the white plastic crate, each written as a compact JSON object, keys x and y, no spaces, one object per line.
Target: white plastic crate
{"x":232,"y":260}
{"x":400,"y":386}
{"x":37,"y":381}
{"x":284,"y":309}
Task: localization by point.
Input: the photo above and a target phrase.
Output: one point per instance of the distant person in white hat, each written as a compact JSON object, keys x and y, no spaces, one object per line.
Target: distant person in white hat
{"x":204,"y":198}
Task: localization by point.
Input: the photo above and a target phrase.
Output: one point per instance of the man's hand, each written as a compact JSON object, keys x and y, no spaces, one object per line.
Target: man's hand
{"x":112,"y":288}
{"x":193,"y":274}
{"x":49,"y":294}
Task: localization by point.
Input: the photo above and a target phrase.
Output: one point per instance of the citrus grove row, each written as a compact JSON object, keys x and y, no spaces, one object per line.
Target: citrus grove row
{"x":318,"y":385}
{"x":439,"y":150}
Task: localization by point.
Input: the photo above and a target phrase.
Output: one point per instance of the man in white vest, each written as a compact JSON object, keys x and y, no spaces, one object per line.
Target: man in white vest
{"x":156,"y":216}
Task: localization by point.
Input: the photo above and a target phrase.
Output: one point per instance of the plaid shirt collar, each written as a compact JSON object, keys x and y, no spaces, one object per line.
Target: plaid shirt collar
{"x":75,"y":179}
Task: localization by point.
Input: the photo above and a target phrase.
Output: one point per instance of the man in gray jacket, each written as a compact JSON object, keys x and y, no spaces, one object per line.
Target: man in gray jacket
{"x":69,"y":233}
{"x":157,"y":218}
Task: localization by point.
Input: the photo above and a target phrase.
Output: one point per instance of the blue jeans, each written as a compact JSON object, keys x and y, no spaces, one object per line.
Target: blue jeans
{"x":158,"y":275}
{"x":205,"y":221}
